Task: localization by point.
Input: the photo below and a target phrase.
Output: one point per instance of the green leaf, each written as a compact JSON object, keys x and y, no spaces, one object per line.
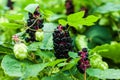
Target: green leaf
{"x":75,"y":16}
{"x":33,"y":70}
{"x":58,"y":76}
{"x":34,"y":46}
{"x":11,"y":25}
{"x":47,"y":43}
{"x":53,"y":63}
{"x":108,"y":7}
{"x":110,"y":51}
{"x":74,"y":19}
{"x":73,"y":54}
{"x":70,"y":64}
{"x":14,"y":16}
{"x":45,"y":55}
{"x":4,"y":49}
{"x":104,"y":74}
{"x":90,"y":20}
{"x":16,"y":68}
{"x":31,"y":7}
{"x":55,"y":17}
{"x":62,"y":22}
{"x":11,"y":66}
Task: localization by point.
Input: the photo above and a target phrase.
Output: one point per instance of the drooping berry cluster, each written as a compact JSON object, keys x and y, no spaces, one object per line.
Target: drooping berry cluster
{"x":62,"y":42}
{"x":69,"y":7}
{"x":83,"y":63}
{"x":34,"y":23}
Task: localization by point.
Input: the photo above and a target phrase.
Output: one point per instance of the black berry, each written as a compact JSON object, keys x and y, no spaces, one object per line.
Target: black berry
{"x":62,"y":42}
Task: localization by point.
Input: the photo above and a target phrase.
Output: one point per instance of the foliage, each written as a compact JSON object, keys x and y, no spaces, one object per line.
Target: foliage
{"x":94,"y":25}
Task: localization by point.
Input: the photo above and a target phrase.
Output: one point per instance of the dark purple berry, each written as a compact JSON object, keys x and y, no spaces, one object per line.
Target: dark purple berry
{"x":62,"y":44}
{"x":83,"y":63}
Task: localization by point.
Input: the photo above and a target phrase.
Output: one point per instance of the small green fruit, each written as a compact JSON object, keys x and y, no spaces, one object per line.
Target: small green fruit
{"x":81,"y":42}
{"x":102,"y":65}
{"x":39,"y":35}
{"x":20,"y":51}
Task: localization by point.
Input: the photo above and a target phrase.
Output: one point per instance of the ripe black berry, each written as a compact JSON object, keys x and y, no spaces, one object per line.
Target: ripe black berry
{"x":62,"y":42}
{"x":83,"y":63}
{"x":33,"y":23}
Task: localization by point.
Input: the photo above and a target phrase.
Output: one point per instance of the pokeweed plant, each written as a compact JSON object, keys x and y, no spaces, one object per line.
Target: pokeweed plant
{"x":49,"y":51}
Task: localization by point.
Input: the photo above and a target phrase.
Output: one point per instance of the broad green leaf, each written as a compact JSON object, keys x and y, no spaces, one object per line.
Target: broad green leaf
{"x":47,"y":41}
{"x":73,"y":54}
{"x":16,"y":68}
{"x":62,"y":22}
{"x":53,"y":63}
{"x":31,"y":7}
{"x":14,"y":16}
{"x":11,"y":25}
{"x":108,"y":7}
{"x":89,"y":20}
{"x":75,"y":16}
{"x":33,"y":70}
{"x":11,"y":66}
{"x":110,"y":51}
{"x":45,"y":55}
{"x":104,"y":74}
{"x":74,"y":19}
{"x":34,"y":46}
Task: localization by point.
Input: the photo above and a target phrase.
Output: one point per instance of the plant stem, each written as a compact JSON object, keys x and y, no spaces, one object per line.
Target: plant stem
{"x":85,"y":75}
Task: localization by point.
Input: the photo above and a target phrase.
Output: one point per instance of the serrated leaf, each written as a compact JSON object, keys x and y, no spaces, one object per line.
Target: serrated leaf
{"x":16,"y":68}
{"x":76,"y":16}
{"x":73,"y":54}
{"x":31,"y":7}
{"x":104,"y":74}
{"x":110,"y":51}
{"x":62,"y":22}
{"x":90,"y":20}
{"x":74,"y":19}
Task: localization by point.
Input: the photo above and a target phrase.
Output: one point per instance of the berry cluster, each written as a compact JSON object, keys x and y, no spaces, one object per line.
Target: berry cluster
{"x":34,"y":23}
{"x":83,"y":63}
{"x":62,"y":42}
{"x":69,"y":7}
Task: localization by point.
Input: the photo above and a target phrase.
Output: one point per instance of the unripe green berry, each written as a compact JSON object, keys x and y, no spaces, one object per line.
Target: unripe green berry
{"x":20,"y":51}
{"x":102,"y":65}
{"x":39,"y":35}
